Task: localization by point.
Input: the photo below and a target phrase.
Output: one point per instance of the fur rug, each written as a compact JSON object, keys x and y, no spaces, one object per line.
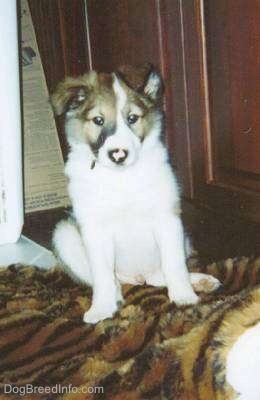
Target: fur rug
{"x":150,"y":349}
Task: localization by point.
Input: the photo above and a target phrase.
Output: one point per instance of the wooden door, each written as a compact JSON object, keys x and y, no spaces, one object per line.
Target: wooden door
{"x":221,"y":52}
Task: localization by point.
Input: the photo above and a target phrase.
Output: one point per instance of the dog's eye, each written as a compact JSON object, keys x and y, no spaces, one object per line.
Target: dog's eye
{"x":98,"y":121}
{"x":132,"y":118}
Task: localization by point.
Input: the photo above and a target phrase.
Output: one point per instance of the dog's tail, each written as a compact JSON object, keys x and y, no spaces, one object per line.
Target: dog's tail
{"x":70,"y":250}
{"x":190,"y":251}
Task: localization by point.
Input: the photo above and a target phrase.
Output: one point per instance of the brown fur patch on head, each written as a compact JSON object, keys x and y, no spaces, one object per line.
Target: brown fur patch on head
{"x":72,"y":93}
{"x":72,"y":89}
{"x":92,"y":95}
{"x":84,"y":98}
{"x":142,"y":105}
{"x":144,"y":88}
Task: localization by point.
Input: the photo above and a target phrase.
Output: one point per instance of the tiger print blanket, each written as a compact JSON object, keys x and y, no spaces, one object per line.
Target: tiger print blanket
{"x":149,"y":350}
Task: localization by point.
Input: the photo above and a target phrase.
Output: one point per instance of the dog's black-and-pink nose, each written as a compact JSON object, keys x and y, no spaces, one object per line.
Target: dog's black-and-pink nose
{"x":118,"y":156}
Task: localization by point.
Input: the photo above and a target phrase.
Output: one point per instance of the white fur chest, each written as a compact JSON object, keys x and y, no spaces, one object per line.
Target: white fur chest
{"x":125,"y":202}
{"x":113,"y":195}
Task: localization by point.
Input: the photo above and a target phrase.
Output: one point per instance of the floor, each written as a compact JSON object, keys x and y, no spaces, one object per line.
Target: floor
{"x":39,"y":226}
{"x":26,"y":251}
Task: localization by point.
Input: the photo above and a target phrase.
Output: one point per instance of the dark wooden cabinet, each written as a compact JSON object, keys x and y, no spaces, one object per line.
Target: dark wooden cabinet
{"x":223,"y":100}
{"x":208,"y":53}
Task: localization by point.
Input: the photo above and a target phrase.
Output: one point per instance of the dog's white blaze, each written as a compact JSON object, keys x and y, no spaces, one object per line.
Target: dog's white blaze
{"x":123,"y":139}
{"x":121,"y":97}
{"x":121,"y":100}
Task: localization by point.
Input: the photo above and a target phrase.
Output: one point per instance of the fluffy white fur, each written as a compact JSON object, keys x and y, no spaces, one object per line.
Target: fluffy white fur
{"x":243,"y":365}
{"x":129,"y":227}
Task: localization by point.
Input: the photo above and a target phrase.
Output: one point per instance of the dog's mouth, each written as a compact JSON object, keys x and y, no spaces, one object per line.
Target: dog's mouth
{"x":119,"y":166}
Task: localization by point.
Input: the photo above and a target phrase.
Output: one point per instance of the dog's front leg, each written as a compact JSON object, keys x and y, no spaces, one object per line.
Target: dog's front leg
{"x":170,"y":238}
{"x":100,"y":253}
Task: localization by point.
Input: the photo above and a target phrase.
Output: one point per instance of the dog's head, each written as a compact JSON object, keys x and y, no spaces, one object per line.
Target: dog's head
{"x":113,"y":114}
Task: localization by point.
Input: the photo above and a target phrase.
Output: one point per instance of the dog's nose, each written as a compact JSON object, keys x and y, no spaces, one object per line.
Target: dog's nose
{"x":118,"y":156}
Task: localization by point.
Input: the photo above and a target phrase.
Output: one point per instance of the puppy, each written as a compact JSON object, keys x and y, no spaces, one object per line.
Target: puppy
{"x":125,"y":225}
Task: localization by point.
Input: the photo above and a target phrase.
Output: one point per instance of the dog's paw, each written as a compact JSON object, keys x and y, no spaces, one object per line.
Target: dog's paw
{"x":96,"y":314}
{"x":204,"y":283}
{"x":184,"y":297}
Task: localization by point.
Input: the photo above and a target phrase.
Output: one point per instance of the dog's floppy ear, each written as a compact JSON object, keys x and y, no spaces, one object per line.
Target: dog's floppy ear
{"x":143,"y":78}
{"x":69,"y":95}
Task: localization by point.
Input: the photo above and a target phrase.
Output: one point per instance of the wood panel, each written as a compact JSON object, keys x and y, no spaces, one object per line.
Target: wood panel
{"x":60,"y":27}
{"x":233,"y":48}
{"x":175,"y":88}
{"x":194,"y":94}
{"x":225,"y":190}
{"x":123,"y":32}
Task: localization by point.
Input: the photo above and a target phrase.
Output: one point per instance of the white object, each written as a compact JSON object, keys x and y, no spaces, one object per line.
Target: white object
{"x":25,"y":251}
{"x":11,"y":189}
{"x":243,"y":365}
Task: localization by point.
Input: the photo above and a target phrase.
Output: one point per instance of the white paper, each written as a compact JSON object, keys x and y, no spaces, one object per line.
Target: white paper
{"x":45,"y":183}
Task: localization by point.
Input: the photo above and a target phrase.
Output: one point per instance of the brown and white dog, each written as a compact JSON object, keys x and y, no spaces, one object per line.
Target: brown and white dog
{"x":126,"y":225}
